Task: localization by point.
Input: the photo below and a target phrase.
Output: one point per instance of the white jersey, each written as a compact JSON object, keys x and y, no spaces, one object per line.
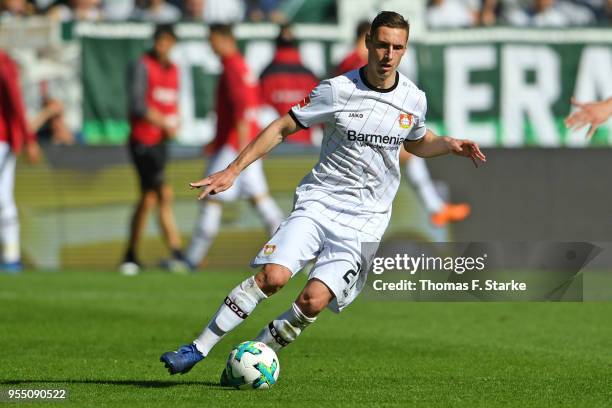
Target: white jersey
{"x":357,"y":175}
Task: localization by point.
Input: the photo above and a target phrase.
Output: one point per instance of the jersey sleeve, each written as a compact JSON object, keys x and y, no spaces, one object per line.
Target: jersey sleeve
{"x":137,"y":89}
{"x":419,"y":128}
{"x":318,"y":107}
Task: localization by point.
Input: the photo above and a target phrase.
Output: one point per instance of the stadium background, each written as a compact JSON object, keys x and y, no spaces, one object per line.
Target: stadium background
{"x":508,"y":88}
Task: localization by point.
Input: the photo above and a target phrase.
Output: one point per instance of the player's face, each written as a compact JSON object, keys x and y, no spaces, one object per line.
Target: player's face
{"x":218,"y":43}
{"x":386,"y":49}
{"x":163,"y":45}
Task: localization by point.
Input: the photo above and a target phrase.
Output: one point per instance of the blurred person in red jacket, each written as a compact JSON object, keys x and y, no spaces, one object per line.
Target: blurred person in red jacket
{"x":358,"y":57}
{"x":237,"y":105}
{"x":286,"y":81}
{"x":440,"y":212}
{"x":153,"y":113}
{"x":15,"y":135}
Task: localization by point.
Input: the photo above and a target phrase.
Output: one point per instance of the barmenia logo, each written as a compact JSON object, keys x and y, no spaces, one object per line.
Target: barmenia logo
{"x":373,"y":139}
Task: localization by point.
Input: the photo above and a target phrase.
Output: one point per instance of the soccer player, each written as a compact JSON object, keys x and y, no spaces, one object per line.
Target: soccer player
{"x":286,"y":81}
{"x":440,"y":212}
{"x":15,"y":135}
{"x":344,"y":202}
{"x":237,"y":102}
{"x":593,"y":114}
{"x":153,"y":97}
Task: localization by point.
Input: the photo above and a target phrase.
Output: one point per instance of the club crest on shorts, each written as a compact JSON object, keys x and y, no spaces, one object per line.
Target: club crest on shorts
{"x":406,"y":120}
{"x":269,"y":249}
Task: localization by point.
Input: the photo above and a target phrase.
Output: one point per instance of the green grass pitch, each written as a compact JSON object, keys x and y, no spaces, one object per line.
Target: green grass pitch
{"x":100,"y":335}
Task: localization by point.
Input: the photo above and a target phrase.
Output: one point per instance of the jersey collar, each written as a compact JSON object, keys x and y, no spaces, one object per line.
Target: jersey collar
{"x":365,"y":81}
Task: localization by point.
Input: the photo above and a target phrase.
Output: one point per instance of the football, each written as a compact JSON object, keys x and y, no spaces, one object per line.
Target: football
{"x":251,"y":365}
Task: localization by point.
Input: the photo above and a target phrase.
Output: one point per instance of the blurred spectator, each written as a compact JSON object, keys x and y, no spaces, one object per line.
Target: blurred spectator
{"x":602,"y":9}
{"x":77,"y":10}
{"x":450,"y":14}
{"x":157,"y":11}
{"x":15,"y":135}
{"x":359,"y":56}
{"x":117,"y":10}
{"x":265,"y":10}
{"x":153,"y":112}
{"x":223,"y":11}
{"x":286,"y":81}
{"x":194,"y":10}
{"x":489,"y":12}
{"x":550,"y":13}
{"x":49,"y":123}
{"x":15,"y":8}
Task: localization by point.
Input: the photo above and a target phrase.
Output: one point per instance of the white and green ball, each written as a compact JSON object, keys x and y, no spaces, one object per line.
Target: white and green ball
{"x":251,"y":365}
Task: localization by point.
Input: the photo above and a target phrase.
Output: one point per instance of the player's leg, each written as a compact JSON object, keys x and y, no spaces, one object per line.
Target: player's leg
{"x":146,"y":168}
{"x":418,"y":176}
{"x":205,"y":231}
{"x":240,"y":302}
{"x":336,"y":279}
{"x":297,"y":241}
{"x":209,"y":216}
{"x":148,"y":200}
{"x":268,"y":210}
{"x":440,"y":212}
{"x":254,"y":186}
{"x":9,"y":221}
{"x":283,"y":330}
{"x":169,"y":229}
{"x":236,"y":307}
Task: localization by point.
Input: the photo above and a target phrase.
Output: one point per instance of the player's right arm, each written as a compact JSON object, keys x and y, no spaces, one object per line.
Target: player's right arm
{"x":267,"y":140}
{"x":316,"y":108}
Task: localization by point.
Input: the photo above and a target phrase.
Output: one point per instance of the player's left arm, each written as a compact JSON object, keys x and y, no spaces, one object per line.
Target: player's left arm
{"x":432,"y":145}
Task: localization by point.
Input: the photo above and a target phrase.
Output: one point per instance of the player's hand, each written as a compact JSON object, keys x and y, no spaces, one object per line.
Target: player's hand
{"x":215,"y":183}
{"x":593,"y":114}
{"x":170,"y":133}
{"x":467,"y":148}
{"x":32,"y":151}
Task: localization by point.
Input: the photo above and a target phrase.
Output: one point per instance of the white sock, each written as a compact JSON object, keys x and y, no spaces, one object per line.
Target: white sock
{"x":418,"y":175}
{"x":206,"y":229}
{"x":9,"y":221}
{"x":9,"y":235}
{"x":236,"y":307}
{"x":285,"y":328}
{"x":269,"y":211}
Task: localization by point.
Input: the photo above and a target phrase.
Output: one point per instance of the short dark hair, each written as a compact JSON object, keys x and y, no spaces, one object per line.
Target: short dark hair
{"x":222,"y":28}
{"x":285,"y":38}
{"x":363,"y":27}
{"x":389,"y":19}
{"x":164,"y":29}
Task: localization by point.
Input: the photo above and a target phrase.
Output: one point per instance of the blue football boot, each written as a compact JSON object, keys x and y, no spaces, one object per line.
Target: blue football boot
{"x":11,"y":268}
{"x":182,"y":360}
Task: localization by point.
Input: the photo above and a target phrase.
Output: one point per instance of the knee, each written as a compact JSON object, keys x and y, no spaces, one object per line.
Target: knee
{"x":166,"y":194}
{"x":149,"y":199}
{"x":272,"y":278}
{"x":311,"y":304}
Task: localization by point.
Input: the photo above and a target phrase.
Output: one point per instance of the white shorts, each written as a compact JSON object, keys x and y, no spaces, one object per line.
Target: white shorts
{"x":250,"y":183}
{"x":341,"y":263}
